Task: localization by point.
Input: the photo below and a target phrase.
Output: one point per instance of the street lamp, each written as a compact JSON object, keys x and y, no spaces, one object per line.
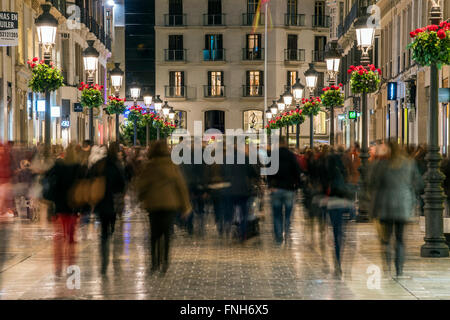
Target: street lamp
{"x":166,"y":109}
{"x":90,"y":58}
{"x":364,"y":35}
{"x":333,"y":59}
{"x":311,"y":76}
{"x":171,"y":113}
{"x":287,"y":98}
{"x":158,"y":106}
{"x":147,"y":101}
{"x":135,"y":93}
{"x":298,"y":90}
{"x":46,"y":25}
{"x":116,"y":83}
{"x":274,"y":108}
{"x":434,"y":197}
{"x":268,"y":114}
{"x":280,"y":103}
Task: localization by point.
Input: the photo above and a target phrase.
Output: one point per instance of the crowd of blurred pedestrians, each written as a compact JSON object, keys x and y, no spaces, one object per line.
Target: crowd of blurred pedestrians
{"x":84,"y":181}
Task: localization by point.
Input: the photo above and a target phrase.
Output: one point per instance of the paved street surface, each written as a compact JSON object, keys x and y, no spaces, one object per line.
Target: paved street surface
{"x":214,"y":268}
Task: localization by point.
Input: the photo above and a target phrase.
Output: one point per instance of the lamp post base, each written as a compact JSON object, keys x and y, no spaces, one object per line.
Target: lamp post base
{"x":434,"y":248}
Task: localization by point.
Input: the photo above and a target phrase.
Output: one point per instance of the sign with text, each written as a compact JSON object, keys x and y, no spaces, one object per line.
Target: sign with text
{"x":352,"y":115}
{"x":9,"y":28}
{"x":77,"y":107}
{"x":392,"y":91}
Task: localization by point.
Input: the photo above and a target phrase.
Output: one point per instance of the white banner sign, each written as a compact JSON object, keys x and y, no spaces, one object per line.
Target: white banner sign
{"x":9,"y":28}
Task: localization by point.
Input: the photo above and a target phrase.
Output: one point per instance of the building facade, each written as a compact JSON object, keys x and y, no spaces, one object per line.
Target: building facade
{"x":21,"y":115}
{"x":399,"y":110}
{"x":210,"y":59}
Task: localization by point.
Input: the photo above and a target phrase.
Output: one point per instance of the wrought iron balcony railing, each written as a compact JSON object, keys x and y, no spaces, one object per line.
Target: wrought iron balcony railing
{"x":175,"y":20}
{"x":248,"y":19}
{"x":214,"y":91}
{"x":321,"y":21}
{"x":214,"y":19}
{"x":255,"y":54}
{"x":174,"y":55}
{"x":252,"y":91}
{"x":213,"y":54}
{"x":297,"y":20}
{"x":294,"y":55}
{"x":318,"y":55}
{"x":175,"y":91}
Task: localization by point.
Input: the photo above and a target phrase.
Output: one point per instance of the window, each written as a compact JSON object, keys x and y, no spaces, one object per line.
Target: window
{"x":319,"y":48}
{"x":215,"y":84}
{"x":213,"y":47}
{"x":214,"y":12}
{"x":254,"y":83}
{"x":215,"y":119}
{"x":253,"y":49}
{"x":252,"y":6}
{"x":176,"y":84}
{"x":180,"y":119}
{"x":291,"y":78}
{"x":175,"y":52}
{"x":319,"y":8}
{"x":341,"y":13}
{"x":292,"y":47}
{"x":175,"y":13}
{"x":253,"y":120}
{"x":292,"y":7}
{"x":320,"y":123}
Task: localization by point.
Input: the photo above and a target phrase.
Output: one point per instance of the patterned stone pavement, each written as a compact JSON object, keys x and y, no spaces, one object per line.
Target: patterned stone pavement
{"x":213,"y":268}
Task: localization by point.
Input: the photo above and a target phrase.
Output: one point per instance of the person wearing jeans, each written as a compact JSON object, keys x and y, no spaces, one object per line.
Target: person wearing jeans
{"x":282,"y":186}
{"x":282,"y":204}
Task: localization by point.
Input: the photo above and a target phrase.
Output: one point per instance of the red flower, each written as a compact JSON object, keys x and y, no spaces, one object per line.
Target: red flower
{"x":361,"y":72}
{"x":379,"y":70}
{"x":352,"y":67}
{"x":340,"y":84}
{"x":349,"y":71}
{"x":35,"y":59}
{"x":372,"y":68}
{"x":82,"y":83}
{"x":412,"y":34}
{"x":441,"y":34}
{"x":33,"y":65}
{"x":432,"y":27}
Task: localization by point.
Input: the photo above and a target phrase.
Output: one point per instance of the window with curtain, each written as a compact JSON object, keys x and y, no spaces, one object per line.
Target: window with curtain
{"x":253,"y":46}
{"x":254,"y":83}
{"x":320,"y":123}
{"x":176,"y":83}
{"x":215,"y":83}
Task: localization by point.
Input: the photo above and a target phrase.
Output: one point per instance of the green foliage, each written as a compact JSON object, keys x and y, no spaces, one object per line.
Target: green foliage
{"x":332,"y":97}
{"x":288,"y":118}
{"x":44,"y":77}
{"x":363,"y":80}
{"x":311,"y":106}
{"x":115,"y":105}
{"x":91,"y":95}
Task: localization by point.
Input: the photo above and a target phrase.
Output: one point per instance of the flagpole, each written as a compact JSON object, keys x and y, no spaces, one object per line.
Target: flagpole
{"x":265,"y":62}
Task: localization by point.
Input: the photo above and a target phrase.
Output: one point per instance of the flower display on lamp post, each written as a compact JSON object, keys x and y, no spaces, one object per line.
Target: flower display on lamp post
{"x":286,"y":119}
{"x":332,"y":96}
{"x":363,"y":80}
{"x":91,"y":95}
{"x":431,"y":45}
{"x":45,"y":77}
{"x":311,"y":106}
{"x":115,"y":105}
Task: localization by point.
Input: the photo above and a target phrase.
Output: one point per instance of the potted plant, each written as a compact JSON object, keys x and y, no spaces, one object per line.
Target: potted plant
{"x":311,"y":106}
{"x":115,"y":105}
{"x":431,"y":45}
{"x":332,"y":96}
{"x":363,"y":80}
{"x":91,"y":95}
{"x":45,"y":78}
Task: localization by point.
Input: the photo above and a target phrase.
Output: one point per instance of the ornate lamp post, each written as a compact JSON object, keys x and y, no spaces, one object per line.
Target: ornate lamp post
{"x":281,"y":106}
{"x":311,"y":76}
{"x":135,"y":93}
{"x":434,"y":197}
{"x":287,"y":99}
{"x":116,"y":82}
{"x":297,"y":90}
{"x":364,"y":35}
{"x":147,"y":101}
{"x":90,"y":58}
{"x":158,"y":106}
{"x":46,"y":25}
{"x":333,"y":59}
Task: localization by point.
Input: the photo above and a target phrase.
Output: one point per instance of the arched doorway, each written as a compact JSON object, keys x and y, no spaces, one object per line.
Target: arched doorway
{"x":215,"y":119}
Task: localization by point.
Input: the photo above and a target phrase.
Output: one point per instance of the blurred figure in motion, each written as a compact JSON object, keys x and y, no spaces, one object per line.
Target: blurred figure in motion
{"x":282,"y":187}
{"x":109,"y":170}
{"x":162,"y":191}
{"x":58,"y":183}
{"x":394,"y":183}
{"x":6,"y":195}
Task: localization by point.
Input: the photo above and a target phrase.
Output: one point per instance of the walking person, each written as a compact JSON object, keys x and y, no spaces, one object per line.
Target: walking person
{"x":282,"y":187}
{"x":108,"y":169}
{"x":162,"y":191}
{"x":395,"y":183}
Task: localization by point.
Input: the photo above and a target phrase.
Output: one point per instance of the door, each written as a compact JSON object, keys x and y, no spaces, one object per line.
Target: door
{"x":319,"y":13}
{"x":253,"y":47}
{"x":175,"y":12}
{"x":214,"y":12}
{"x":215,"y":119}
{"x":292,"y":47}
{"x":176,"y":51}
{"x":213,"y":47}
{"x":215,"y":83}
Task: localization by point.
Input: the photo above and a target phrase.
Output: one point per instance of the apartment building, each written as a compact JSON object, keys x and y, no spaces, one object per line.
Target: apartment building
{"x":399,"y":109}
{"x":210,"y":60}
{"x":21,"y":114}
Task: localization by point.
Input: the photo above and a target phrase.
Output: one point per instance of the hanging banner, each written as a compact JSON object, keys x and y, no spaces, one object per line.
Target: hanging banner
{"x":9,"y":28}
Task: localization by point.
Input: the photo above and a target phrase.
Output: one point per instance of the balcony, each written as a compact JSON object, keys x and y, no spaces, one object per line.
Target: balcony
{"x":252,"y":54}
{"x":252,"y":91}
{"x":214,"y":20}
{"x":348,"y":21}
{"x":175,"y":20}
{"x":318,"y":55}
{"x":295,"y":20}
{"x":213,"y":54}
{"x":294,"y":55}
{"x":214,"y":91}
{"x":175,"y":55}
{"x":320,"y":21}
{"x":175,"y":92}
{"x":61,"y":6}
{"x":248,"y":19}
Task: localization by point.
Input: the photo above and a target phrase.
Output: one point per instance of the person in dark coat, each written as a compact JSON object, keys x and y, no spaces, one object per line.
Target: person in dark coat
{"x":109,"y":168}
{"x":62,"y":177}
{"x":282,"y":186}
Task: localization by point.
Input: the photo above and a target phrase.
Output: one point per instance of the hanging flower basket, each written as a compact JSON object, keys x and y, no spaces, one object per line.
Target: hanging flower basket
{"x":363,"y":80}
{"x":431,"y":45}
{"x":115,"y":105}
{"x":91,"y":95}
{"x":311,"y":106}
{"x":288,"y":118}
{"x":136,"y":113}
{"x":332,"y":96}
{"x":44,"y":77}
